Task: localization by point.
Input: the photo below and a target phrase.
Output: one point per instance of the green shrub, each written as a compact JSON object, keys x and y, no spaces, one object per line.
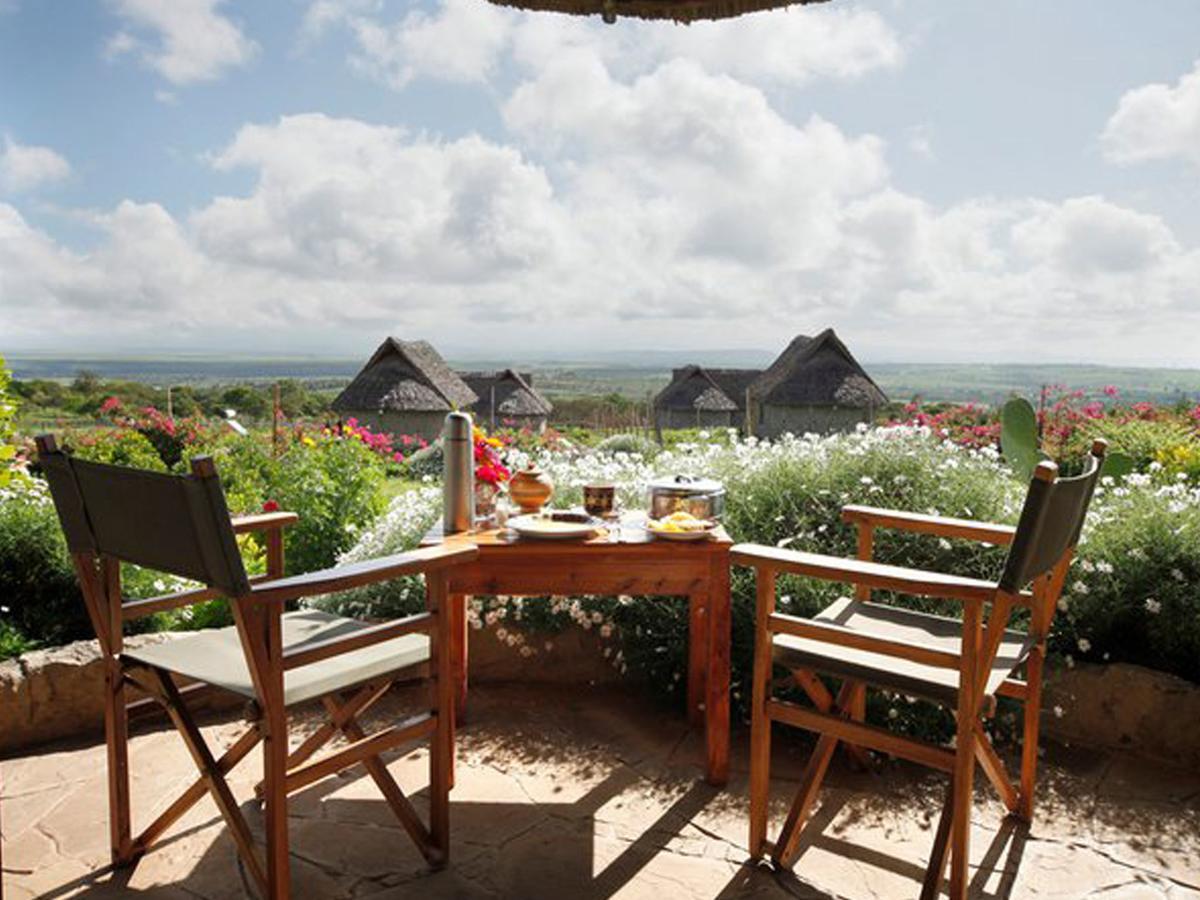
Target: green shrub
{"x":628,"y":443}
{"x":1142,"y":440}
{"x":37,"y":581}
{"x":1132,"y":592}
{"x":336,"y":486}
{"x":1142,"y":541}
{"x":118,"y":447}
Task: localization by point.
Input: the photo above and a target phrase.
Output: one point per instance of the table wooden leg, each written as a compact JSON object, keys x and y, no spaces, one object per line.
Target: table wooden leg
{"x":458,"y":609}
{"x":697,"y":654}
{"x":716,"y":703}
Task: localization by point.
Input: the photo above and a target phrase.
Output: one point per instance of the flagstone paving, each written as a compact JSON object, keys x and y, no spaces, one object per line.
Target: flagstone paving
{"x":585,"y":793}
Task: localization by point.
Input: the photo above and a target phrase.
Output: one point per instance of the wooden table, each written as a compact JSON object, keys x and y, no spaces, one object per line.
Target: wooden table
{"x":637,"y":565}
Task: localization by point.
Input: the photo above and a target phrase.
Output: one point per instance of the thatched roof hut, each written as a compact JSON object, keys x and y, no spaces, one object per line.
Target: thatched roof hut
{"x":815,"y":385}
{"x":405,"y":387}
{"x":817,"y":371}
{"x":694,"y":399}
{"x":507,"y":396}
{"x":675,"y":10}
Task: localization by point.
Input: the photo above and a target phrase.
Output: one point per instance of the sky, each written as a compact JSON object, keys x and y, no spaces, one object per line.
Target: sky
{"x":939,"y":181}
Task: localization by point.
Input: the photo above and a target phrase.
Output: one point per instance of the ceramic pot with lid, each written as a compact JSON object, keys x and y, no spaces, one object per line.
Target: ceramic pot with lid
{"x":704,"y":498}
{"x":531,"y":489}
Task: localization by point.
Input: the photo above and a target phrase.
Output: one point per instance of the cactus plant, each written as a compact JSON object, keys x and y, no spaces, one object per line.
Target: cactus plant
{"x":1020,"y":442}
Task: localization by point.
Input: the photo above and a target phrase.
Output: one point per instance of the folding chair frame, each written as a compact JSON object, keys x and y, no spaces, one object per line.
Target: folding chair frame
{"x":258,"y":616}
{"x":986,"y":610}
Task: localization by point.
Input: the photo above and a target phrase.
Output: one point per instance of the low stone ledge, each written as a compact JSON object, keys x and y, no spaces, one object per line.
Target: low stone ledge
{"x":46,"y":695}
{"x":1127,"y":707}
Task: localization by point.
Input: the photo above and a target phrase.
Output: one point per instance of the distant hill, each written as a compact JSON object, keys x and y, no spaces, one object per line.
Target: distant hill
{"x":638,"y":373}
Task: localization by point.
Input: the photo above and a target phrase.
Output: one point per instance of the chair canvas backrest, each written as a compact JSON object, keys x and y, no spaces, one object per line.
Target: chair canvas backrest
{"x":1050,"y":523}
{"x":177,"y":524}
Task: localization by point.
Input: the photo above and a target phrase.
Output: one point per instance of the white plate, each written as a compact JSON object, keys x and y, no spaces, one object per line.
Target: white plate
{"x":533,"y":526}
{"x":700,"y":535}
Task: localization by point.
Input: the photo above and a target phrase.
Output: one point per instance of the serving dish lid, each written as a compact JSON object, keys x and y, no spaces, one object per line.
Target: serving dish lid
{"x":686,"y":486}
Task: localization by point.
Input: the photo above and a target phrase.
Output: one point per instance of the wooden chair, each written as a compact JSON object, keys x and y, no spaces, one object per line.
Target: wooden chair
{"x":180,"y":524}
{"x":960,"y":664}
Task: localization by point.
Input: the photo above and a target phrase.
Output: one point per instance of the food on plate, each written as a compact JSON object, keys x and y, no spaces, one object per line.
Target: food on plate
{"x":679,"y":522}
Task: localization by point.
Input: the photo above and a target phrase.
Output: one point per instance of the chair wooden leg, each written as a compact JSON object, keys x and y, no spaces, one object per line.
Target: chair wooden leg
{"x":823,"y":701}
{"x":964,"y":794}
{"x":1029,"y":747}
{"x":784,"y":853}
{"x":447,"y":681}
{"x":385,"y":782}
{"x":939,"y":855}
{"x":760,"y":727}
{"x":275,"y":756}
{"x":116,"y":729}
{"x":163,"y":687}
{"x":185,"y":801}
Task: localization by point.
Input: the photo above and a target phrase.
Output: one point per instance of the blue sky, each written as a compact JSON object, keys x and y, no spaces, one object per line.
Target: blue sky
{"x":943,"y":181}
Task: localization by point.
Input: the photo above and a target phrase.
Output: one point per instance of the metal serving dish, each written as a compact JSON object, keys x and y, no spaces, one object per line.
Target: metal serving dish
{"x":704,"y":498}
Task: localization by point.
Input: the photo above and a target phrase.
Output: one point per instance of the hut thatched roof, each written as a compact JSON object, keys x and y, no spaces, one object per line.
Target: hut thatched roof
{"x":817,"y":371}
{"x":405,"y":376}
{"x":692,"y":389}
{"x":514,"y":393}
{"x":676,"y":10}
{"x":734,"y":383}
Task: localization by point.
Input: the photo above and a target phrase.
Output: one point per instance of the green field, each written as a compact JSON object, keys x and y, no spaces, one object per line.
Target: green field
{"x":988,"y":383}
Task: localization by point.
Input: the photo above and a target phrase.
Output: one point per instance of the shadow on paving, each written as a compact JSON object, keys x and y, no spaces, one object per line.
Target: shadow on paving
{"x":599,"y":752}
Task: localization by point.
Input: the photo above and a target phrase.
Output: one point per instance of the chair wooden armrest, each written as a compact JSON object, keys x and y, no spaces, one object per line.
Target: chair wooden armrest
{"x":341,"y":578}
{"x":267,"y":521}
{"x":856,"y":571}
{"x":942,"y":526}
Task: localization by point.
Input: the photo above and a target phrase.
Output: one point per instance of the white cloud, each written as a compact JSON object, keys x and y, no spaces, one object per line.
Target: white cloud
{"x":24,"y":167}
{"x":185,"y":41}
{"x":468,"y":41}
{"x":674,"y":206}
{"x":461,"y":42}
{"x":1156,"y":121}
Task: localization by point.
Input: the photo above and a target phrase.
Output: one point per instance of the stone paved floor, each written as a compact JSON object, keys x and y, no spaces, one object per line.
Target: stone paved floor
{"x":591,"y":793}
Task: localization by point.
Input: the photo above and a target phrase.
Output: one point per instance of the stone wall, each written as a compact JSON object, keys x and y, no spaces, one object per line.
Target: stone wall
{"x":48,"y":695}
{"x":1127,"y":707}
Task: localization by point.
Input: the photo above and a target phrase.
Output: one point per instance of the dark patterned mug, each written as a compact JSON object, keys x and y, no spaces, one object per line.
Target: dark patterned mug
{"x":599,"y":499}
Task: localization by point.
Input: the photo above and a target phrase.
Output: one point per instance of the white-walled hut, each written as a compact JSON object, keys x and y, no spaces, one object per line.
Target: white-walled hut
{"x":816,"y":385}
{"x":508,"y":399}
{"x":405,"y":388}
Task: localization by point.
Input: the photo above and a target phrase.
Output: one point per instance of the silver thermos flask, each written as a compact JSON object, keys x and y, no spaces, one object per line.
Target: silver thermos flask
{"x":458,"y":483}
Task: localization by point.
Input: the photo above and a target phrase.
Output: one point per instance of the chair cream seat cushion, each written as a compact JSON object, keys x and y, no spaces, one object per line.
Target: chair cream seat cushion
{"x":216,"y":657}
{"x":879,"y":669}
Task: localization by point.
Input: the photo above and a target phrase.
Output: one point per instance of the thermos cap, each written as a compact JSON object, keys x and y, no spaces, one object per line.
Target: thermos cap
{"x":457,"y":427}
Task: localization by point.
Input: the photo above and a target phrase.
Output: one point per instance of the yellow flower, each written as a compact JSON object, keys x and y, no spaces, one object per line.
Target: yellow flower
{"x":307,"y":441}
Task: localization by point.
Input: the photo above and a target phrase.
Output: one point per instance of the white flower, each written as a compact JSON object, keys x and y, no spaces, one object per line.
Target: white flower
{"x":1084,"y":645}
{"x":867,"y":479}
{"x":1058,"y":712}
{"x":1177,"y":574}
{"x":1105,"y":568}
{"x":893,"y":713}
{"x":1063,"y":604}
{"x":1153,"y":606}
{"x":1070,"y":661}
{"x":944,"y":544}
{"x":1079,"y":588}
